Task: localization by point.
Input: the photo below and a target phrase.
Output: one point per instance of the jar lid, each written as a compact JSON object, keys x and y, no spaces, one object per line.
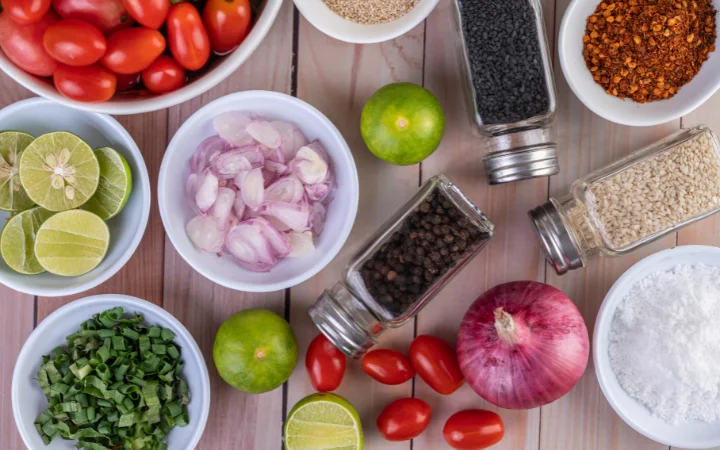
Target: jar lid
{"x":558,"y":244}
{"x":522,"y":163}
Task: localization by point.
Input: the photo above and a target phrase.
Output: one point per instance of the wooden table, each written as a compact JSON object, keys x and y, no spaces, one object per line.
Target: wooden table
{"x":338,"y":78}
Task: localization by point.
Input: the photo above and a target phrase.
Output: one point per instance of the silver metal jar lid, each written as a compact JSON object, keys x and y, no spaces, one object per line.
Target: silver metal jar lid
{"x":522,"y":163}
{"x":558,"y":244}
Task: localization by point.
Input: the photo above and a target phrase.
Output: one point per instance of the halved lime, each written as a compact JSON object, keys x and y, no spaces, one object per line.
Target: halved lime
{"x":323,"y":421}
{"x":12,"y":195}
{"x":72,"y":243}
{"x":17,"y":242}
{"x":59,"y":171}
{"x":114,"y":187}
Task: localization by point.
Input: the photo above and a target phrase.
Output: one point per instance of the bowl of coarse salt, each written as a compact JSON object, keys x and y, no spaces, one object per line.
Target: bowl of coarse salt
{"x":656,"y":347}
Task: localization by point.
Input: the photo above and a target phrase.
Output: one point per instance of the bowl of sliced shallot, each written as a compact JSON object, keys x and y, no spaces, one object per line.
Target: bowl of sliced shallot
{"x":258,"y":191}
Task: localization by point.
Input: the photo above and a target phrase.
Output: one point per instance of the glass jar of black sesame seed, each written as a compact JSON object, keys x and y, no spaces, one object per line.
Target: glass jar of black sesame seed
{"x":509,"y":85}
{"x":413,"y":255}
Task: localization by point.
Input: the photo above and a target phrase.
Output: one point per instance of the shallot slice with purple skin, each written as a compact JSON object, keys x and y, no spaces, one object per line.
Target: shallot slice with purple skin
{"x":264,"y":133}
{"x":239,"y":206}
{"x":207,"y":190}
{"x":250,"y":247}
{"x":253,"y":189}
{"x":300,"y":243}
{"x":229,"y":164}
{"x":291,"y":136}
{"x":276,"y":167}
{"x":274,"y":154}
{"x":221,"y":209}
{"x":287,"y":189}
{"x":309,"y":166}
{"x":317,"y":147}
{"x":206,"y":151}
{"x":205,"y":234}
{"x":297,"y":217}
{"x":317,"y":192}
{"x":232,"y":127}
{"x":278,"y":241}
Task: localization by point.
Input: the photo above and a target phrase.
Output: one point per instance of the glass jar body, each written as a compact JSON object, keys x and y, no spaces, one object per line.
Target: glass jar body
{"x":509,"y":86}
{"x":636,"y":200}
{"x":402,"y":266}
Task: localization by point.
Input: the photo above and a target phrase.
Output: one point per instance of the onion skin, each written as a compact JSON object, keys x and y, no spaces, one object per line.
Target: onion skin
{"x":522,"y":345}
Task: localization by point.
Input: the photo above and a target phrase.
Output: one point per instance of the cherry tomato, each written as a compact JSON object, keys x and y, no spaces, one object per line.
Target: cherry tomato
{"x":86,"y":84}
{"x":107,"y":15}
{"x":227,"y":23}
{"x":325,"y":364}
{"x":125,"y":82}
{"x":151,"y":13}
{"x":436,"y":363}
{"x":23,"y":44}
{"x":74,"y":42}
{"x":473,"y":429}
{"x":404,"y":419}
{"x":26,"y":12}
{"x":164,"y":75}
{"x":132,"y":50}
{"x":189,"y":42}
{"x":388,"y":366}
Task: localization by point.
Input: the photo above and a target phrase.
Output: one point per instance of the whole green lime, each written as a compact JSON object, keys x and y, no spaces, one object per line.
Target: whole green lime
{"x":255,"y":351}
{"x":402,"y":123}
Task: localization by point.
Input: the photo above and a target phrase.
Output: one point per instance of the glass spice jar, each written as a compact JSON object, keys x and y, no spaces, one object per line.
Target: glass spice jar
{"x":652,"y":192}
{"x":399,"y":270}
{"x":509,"y":85}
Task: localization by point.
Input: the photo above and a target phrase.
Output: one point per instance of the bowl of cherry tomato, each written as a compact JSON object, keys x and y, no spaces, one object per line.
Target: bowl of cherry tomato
{"x":128,"y":56}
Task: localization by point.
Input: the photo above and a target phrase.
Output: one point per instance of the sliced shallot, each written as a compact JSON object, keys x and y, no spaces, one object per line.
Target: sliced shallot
{"x":207,"y":190}
{"x":287,"y":189}
{"x":264,"y":133}
{"x":309,"y":166}
{"x":295,"y":216}
{"x":300,"y":243}
{"x":317,"y":218}
{"x":232,"y":127}
{"x":239,"y":206}
{"x":291,"y":136}
{"x":229,"y":164}
{"x":252,"y":189}
{"x":250,"y":247}
{"x":278,"y":241}
{"x":209,"y":148}
{"x":221,"y":209}
{"x":204,"y":232}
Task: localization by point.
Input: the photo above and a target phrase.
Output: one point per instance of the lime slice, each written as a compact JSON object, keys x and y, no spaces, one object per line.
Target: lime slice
{"x":17,"y":242}
{"x":323,"y":421}
{"x":72,"y":243}
{"x":59,"y":171}
{"x":114,"y":186}
{"x":12,"y":195}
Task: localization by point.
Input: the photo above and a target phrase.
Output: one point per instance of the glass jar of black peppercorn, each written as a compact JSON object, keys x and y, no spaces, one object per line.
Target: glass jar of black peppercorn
{"x":399,"y":270}
{"x":509,"y":85}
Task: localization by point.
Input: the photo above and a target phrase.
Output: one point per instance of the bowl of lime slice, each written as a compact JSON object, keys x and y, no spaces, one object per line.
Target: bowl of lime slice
{"x":74,"y":198}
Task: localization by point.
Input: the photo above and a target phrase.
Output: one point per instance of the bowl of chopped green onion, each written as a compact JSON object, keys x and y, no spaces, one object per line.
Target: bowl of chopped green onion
{"x":110,"y":372}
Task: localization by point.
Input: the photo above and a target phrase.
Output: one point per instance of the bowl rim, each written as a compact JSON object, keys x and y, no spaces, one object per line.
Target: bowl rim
{"x":209,"y":80}
{"x":141,"y":178}
{"x":603,"y":372}
{"x":127,"y":301}
{"x":635,"y":120}
{"x":239,"y":97}
{"x":427,"y":8}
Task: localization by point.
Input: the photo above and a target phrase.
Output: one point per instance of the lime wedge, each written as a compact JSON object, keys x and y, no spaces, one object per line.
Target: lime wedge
{"x":114,"y":186}
{"x":12,"y":195}
{"x":59,"y":171}
{"x":72,"y":243}
{"x":17,"y":242}
{"x":323,"y":421}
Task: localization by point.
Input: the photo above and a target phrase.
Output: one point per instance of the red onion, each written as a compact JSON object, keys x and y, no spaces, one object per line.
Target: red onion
{"x":522,"y":345}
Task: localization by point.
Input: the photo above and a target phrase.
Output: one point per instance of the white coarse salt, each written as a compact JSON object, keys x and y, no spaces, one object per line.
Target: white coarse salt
{"x":665,"y":343}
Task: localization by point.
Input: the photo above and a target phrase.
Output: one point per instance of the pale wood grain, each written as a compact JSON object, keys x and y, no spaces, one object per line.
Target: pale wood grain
{"x":237,"y":420}
{"x":337,"y":78}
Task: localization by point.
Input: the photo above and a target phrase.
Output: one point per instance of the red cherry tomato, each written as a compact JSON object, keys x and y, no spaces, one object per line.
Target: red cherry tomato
{"x":404,"y":419}
{"x":86,"y":84}
{"x":164,"y":75}
{"x":74,"y":42}
{"x":107,"y":15}
{"x":23,"y":44}
{"x":473,"y":429}
{"x":132,"y":50}
{"x":436,"y":363}
{"x":325,"y":364}
{"x":388,"y":366}
{"x":151,"y":13}
{"x":189,"y":42}
{"x":26,"y":11}
{"x":125,"y":82}
{"x":227,"y":23}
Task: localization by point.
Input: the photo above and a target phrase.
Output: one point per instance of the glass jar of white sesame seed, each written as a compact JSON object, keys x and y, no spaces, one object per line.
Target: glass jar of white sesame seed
{"x":652,"y":192}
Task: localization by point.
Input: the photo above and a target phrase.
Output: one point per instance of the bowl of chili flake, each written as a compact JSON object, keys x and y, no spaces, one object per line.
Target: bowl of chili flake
{"x":640,"y":62}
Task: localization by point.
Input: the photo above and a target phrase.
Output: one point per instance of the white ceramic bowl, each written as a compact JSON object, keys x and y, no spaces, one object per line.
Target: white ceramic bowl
{"x":324,"y":19}
{"x":140,"y":103}
{"x":39,"y":116}
{"x":626,"y":112}
{"x":28,"y":400}
{"x":176,"y":212}
{"x":694,"y":435}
